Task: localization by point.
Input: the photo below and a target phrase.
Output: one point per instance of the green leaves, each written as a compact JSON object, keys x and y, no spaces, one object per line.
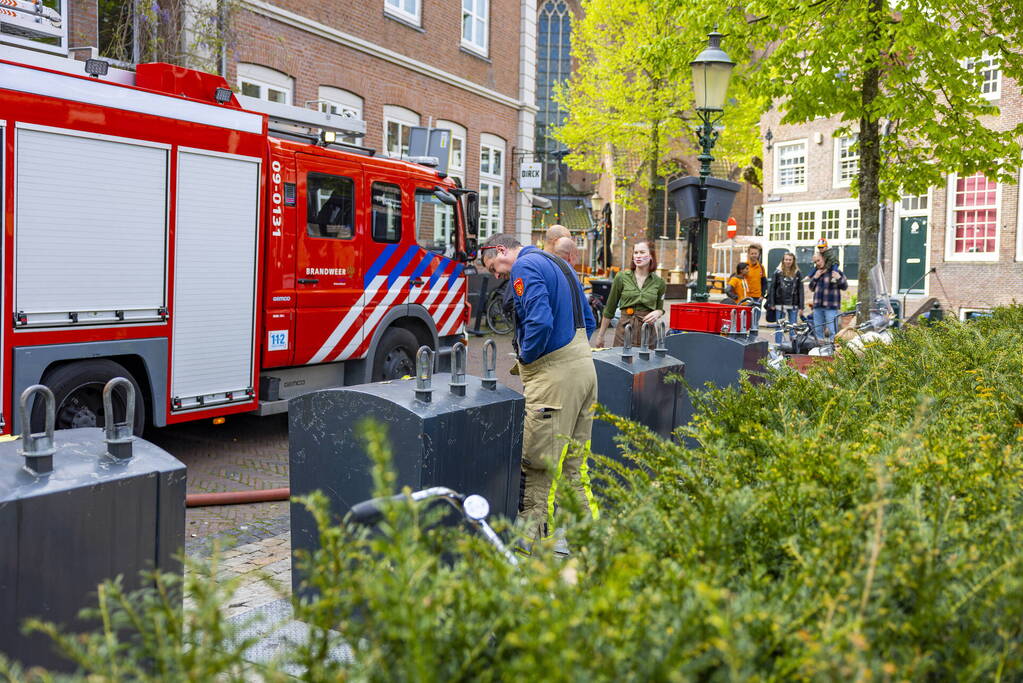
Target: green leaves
{"x":859,"y":522}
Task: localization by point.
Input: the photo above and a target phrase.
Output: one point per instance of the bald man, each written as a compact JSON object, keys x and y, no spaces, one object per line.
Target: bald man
{"x":566,"y":249}
{"x":554,"y":233}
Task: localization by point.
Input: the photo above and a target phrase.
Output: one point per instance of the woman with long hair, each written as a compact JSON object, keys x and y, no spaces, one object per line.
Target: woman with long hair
{"x":639,"y":293}
{"x":785,"y":293}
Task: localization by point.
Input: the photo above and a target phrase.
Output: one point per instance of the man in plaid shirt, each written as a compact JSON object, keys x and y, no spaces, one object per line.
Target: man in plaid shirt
{"x":827,"y":285}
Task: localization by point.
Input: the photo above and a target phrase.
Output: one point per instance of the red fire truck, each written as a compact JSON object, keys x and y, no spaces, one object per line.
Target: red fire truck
{"x":223,"y":258}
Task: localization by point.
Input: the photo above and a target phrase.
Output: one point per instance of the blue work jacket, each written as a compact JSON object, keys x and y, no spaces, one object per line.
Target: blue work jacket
{"x":543,"y":307}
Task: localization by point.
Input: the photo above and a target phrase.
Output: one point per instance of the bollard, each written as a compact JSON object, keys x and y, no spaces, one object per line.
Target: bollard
{"x":119,"y":436}
{"x":37,"y":449}
{"x":635,"y":387}
{"x":76,"y":517}
{"x":717,"y":359}
{"x":468,"y":439}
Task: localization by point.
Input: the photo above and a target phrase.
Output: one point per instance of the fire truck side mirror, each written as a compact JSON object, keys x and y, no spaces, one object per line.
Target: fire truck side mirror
{"x":472,"y":214}
{"x":444,"y":197}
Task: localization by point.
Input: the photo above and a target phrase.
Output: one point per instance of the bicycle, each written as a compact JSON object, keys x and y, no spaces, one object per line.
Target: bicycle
{"x":499,"y":312}
{"x":499,"y":316}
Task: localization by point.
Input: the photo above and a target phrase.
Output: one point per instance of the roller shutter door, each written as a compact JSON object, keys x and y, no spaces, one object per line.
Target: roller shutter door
{"x":90,"y":228}
{"x":214,"y":280}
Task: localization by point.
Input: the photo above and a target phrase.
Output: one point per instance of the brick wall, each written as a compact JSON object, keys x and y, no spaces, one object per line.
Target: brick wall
{"x":437,"y":39}
{"x":83,"y":26}
{"x":313,"y":60}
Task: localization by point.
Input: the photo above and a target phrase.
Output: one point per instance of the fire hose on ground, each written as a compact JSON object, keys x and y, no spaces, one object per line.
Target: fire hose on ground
{"x":198,"y":500}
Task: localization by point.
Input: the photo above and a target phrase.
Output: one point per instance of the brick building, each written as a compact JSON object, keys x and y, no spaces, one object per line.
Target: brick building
{"x":968,"y":230}
{"x":466,"y":66}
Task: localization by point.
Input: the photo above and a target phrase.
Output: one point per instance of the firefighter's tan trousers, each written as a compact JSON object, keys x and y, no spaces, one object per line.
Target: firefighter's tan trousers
{"x":561,"y":389}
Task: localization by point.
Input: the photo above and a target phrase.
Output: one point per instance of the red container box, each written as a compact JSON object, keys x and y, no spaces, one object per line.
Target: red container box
{"x":709,"y":317}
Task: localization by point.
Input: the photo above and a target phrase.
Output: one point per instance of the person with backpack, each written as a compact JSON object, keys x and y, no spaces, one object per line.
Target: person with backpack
{"x":785,"y":294}
{"x":827,"y":284}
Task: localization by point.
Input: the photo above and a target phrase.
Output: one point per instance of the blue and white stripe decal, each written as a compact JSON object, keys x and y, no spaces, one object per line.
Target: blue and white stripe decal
{"x":398,"y":269}
{"x":378,"y":264}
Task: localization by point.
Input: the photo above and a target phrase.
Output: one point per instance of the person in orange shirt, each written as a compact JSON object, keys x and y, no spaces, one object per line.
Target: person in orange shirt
{"x":756,"y":276}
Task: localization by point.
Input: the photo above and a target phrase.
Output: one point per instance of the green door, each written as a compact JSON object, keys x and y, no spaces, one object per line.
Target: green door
{"x":912,"y":254}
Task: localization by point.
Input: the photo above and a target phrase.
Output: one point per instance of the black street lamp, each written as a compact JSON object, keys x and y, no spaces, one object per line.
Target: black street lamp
{"x":712,"y":69}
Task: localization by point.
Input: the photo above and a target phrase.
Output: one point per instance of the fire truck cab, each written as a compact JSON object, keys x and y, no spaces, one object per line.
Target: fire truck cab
{"x":223,"y":253}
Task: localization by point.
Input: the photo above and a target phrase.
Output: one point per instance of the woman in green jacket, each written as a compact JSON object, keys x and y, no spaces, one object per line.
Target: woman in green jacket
{"x":639,"y":292}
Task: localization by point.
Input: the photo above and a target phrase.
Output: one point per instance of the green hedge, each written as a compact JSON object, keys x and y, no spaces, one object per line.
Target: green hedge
{"x":858,"y":523}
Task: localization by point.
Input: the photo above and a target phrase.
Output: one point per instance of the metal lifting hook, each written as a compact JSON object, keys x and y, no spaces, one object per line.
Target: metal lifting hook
{"x":424,"y":374}
{"x":458,"y":363}
{"x":644,"y":340}
{"x":37,"y":449}
{"x":662,"y":331}
{"x":627,"y":344}
{"x":489,"y":380}
{"x":119,"y":435}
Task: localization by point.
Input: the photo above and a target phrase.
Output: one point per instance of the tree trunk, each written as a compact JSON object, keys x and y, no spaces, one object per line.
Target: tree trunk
{"x":870,"y":175}
{"x":651,"y":196}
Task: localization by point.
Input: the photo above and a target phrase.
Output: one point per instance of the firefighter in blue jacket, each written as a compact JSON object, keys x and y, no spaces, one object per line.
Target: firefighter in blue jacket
{"x":553,"y":324}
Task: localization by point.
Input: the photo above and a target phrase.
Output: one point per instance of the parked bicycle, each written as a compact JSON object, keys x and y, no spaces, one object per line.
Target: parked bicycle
{"x":474,"y":508}
{"x":499,"y":312}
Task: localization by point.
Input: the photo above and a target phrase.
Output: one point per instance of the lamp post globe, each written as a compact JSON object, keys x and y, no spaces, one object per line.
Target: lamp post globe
{"x":712,"y":70}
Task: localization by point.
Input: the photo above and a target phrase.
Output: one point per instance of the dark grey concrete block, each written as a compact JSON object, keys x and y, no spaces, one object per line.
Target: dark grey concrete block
{"x":639,"y":390}
{"x":470,"y":443}
{"x":713,"y":358}
{"x":93,"y":518}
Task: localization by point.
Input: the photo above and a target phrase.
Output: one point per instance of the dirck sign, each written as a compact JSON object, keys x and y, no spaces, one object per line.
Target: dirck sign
{"x":529,"y":176}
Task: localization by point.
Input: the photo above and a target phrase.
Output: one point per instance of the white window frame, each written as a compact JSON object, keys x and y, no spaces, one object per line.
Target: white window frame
{"x":265,"y":78}
{"x":490,"y":215}
{"x":478,"y":46}
{"x":404,"y":118}
{"x":845,"y":223}
{"x":900,"y":213}
{"x":771,"y":222}
{"x":950,"y":230}
{"x":964,"y":310}
{"x":988,"y":62}
{"x":778,"y":187}
{"x":445,"y":215}
{"x":396,"y":9}
{"x":814,"y":229}
{"x":455,"y":170}
{"x":836,"y":226}
{"x":794,"y":208}
{"x":840,"y":147}
{"x":341,"y":102}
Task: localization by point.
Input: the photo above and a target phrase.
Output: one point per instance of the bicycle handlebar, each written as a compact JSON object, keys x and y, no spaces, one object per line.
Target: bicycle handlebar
{"x":370,"y":511}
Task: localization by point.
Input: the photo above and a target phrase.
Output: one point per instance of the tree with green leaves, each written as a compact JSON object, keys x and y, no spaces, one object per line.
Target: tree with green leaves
{"x":630,"y":97}
{"x":904,"y":75}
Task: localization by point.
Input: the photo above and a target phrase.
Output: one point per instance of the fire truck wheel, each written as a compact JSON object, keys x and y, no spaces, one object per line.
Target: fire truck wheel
{"x":396,"y":355}
{"x":78,"y":394}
